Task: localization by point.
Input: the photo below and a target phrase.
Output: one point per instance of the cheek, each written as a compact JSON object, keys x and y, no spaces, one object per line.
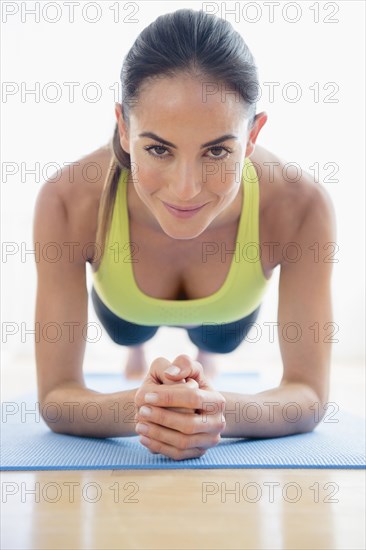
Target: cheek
{"x":149,"y":181}
{"x":145,"y":176}
{"x":224,"y":184}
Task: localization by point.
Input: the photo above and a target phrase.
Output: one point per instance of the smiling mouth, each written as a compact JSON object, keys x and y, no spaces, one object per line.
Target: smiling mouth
{"x":184,"y":208}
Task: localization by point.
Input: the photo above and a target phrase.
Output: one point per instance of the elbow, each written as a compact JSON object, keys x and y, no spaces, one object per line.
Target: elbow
{"x":53,"y":416}
{"x":53,"y":422}
{"x":316,"y":408}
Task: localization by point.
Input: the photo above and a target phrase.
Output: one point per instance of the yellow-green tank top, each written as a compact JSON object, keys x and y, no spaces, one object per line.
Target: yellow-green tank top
{"x":239,"y":296}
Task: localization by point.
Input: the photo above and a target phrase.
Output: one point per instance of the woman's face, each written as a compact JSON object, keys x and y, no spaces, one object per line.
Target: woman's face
{"x":190,"y":170}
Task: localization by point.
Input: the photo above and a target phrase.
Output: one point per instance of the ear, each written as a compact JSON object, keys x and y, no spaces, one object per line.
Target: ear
{"x":259,"y":122}
{"x":122,"y":128}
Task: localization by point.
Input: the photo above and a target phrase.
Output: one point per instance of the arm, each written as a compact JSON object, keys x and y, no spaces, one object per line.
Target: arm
{"x":61,"y":317}
{"x":285,"y":410}
{"x":76,"y":410}
{"x":305,"y":330}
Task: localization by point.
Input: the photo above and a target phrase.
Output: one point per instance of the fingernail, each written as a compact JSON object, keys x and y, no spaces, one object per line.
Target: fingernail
{"x":142,"y":428}
{"x":172,"y":370}
{"x":151,"y":397}
{"x":145,"y":411}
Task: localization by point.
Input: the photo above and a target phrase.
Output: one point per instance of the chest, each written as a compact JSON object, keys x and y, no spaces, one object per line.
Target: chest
{"x":186,"y":271}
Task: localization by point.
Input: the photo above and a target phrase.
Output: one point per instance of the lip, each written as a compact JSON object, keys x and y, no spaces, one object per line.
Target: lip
{"x":183,"y":213}
{"x":183,"y":208}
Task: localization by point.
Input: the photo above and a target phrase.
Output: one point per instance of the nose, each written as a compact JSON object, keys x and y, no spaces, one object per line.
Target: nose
{"x":186,"y":184}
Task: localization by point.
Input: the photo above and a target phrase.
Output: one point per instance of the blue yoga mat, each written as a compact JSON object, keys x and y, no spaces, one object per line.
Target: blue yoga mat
{"x":337,"y":442}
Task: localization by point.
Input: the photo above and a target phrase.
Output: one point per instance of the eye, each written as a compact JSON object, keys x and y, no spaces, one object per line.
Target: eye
{"x":163,"y":149}
{"x":219,"y":157}
{"x":154,"y":147}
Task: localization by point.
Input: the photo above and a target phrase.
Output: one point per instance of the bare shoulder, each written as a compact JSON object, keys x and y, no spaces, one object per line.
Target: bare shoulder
{"x":78,"y":189}
{"x":82,"y":181}
{"x":289,"y":194}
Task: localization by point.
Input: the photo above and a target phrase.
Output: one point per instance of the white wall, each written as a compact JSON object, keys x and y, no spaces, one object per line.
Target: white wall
{"x":305,"y":132}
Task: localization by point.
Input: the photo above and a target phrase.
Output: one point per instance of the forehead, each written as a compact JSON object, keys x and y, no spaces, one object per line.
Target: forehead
{"x":184,"y":100}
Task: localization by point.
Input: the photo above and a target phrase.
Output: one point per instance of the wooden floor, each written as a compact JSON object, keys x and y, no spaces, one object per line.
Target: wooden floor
{"x":189,"y":509}
{"x":254,"y":509}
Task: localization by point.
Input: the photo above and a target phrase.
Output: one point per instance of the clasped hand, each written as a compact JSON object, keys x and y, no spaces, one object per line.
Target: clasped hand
{"x":179,"y":415}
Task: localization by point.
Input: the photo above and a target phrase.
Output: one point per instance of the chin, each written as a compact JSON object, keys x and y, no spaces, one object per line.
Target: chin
{"x":180,"y":237}
{"x":181,"y":234}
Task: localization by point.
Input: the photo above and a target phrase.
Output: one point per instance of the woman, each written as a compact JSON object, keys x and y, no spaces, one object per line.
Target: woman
{"x":189,"y":218}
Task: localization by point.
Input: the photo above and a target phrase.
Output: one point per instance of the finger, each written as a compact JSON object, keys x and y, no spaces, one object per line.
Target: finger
{"x":188,"y":424}
{"x":190,"y":383}
{"x":168,"y":418}
{"x":176,"y":439}
{"x":183,"y":410}
{"x":189,"y":368}
{"x":153,"y":387}
{"x":157,"y":368}
{"x":212,"y":402}
{"x":160,"y":368}
{"x":169,"y":451}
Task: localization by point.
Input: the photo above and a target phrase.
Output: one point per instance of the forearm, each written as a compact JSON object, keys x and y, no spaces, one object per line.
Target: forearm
{"x":71,"y":409}
{"x":284,"y":410}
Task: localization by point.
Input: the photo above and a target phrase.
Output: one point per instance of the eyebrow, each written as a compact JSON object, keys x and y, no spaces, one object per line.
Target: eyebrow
{"x":166,"y":142}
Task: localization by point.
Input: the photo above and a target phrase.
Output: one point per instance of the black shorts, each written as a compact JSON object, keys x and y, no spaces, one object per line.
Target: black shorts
{"x":213,"y":337}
